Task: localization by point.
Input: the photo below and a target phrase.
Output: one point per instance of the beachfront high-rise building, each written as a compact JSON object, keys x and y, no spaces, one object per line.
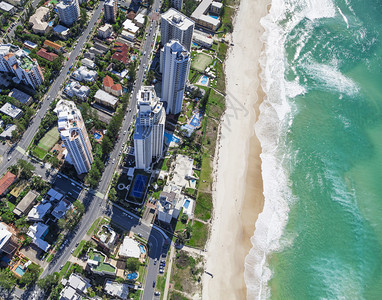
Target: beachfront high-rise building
{"x":68,"y":11}
{"x":74,"y":135}
{"x":149,"y":128}
{"x":175,"y":62}
{"x":177,"y":4}
{"x":15,"y":60}
{"x":110,"y":9}
{"x":176,"y":26}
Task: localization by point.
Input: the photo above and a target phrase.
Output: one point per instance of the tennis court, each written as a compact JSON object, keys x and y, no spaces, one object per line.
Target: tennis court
{"x":49,"y":139}
{"x":201,"y":61}
{"x":138,"y":186}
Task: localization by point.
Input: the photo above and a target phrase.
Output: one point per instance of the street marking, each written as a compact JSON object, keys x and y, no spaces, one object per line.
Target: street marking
{"x":21,"y":150}
{"x":100,"y":195}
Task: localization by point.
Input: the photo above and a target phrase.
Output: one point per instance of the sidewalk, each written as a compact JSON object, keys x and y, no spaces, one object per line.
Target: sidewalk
{"x":169,"y":269}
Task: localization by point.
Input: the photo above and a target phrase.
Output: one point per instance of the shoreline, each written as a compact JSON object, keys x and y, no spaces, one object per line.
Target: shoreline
{"x":238,"y":187}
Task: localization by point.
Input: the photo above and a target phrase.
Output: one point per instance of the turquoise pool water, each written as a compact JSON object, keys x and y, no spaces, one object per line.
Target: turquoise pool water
{"x":20,"y":271}
{"x":186,"y":203}
{"x":97,"y":136}
{"x":204,"y":79}
{"x":215,"y":17}
{"x":142,"y":248}
{"x":171,"y":138}
{"x":50,"y":23}
{"x":132,"y":276}
{"x":27,"y":50}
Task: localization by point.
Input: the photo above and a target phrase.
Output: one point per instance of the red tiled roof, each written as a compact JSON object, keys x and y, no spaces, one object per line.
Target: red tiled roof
{"x":121,"y":52}
{"x":47,"y":55}
{"x":48,"y":43}
{"x":108,"y":81}
{"x":6,"y":181}
{"x":116,"y":87}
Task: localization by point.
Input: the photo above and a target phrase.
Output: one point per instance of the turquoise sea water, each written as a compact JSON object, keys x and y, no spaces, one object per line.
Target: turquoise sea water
{"x":320,"y":235}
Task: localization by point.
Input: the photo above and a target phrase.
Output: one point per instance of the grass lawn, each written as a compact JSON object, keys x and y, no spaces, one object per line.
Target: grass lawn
{"x":39,"y":153}
{"x":78,"y":249}
{"x":93,"y":227}
{"x":203,"y":207}
{"x":64,"y":269}
{"x":164,"y":165}
{"x":161,"y":283}
{"x":199,"y":235}
{"x":49,"y":139}
{"x":180,"y":226}
{"x":50,"y":257}
{"x":201,"y":61}
{"x":177,"y":296}
{"x":11,"y":206}
{"x":205,"y":174}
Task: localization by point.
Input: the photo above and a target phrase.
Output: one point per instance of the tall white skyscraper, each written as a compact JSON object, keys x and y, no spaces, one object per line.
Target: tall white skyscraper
{"x":74,"y":135}
{"x":110,"y":9}
{"x":149,"y":128}
{"x":175,"y":65}
{"x":68,"y":11}
{"x":15,"y":60}
{"x":176,"y":26}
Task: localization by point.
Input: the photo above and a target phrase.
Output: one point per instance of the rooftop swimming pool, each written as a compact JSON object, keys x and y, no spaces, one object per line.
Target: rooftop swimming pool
{"x":19,"y":270}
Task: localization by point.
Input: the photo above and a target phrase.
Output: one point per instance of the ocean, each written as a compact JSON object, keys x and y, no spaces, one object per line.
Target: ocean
{"x":320,"y":127}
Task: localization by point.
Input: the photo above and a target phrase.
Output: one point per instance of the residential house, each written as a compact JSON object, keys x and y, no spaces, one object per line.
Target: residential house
{"x":11,"y":110}
{"x":84,"y":74}
{"x":37,"y":232}
{"x":7,"y":133}
{"x":61,"y":31}
{"x":47,"y":55}
{"x":38,"y":20}
{"x":74,"y":88}
{"x":26,"y":204}
{"x":129,"y":248}
{"x":21,"y":96}
{"x":60,"y":210}
{"x":121,"y":52}
{"x":38,"y":211}
{"x":106,"y":99}
{"x":111,"y":87}
{"x":115,"y":289}
{"x":30,"y":45}
{"x":88,"y":63}
{"x":139,"y":20}
{"x":54,"y":195}
{"x":8,"y":8}
{"x":202,"y":40}
{"x":55,"y":46}
{"x":131,"y":15}
{"x":75,"y":287}
{"x":8,"y":242}
{"x":129,"y":25}
{"x":128,"y":36}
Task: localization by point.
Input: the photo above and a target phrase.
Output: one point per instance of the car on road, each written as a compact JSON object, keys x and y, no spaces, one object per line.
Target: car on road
{"x":155,"y":261}
{"x":124,"y":132}
{"x":71,"y":252}
{"x":9,"y":158}
{"x":161,"y":271}
{"x":157,"y":293}
{"x":77,"y":244}
{"x":61,"y":267}
{"x":154,"y":282}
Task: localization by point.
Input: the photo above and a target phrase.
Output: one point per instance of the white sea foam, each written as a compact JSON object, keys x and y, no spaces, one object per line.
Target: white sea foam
{"x":331,"y":78}
{"x":344,"y":17}
{"x":275,"y":116}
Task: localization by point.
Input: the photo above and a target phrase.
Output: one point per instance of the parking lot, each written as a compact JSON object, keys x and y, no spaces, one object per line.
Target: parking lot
{"x":67,"y":186}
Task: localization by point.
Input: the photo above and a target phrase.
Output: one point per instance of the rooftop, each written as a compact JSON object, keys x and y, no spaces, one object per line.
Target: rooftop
{"x":116,"y":289}
{"x":20,"y":96}
{"x":177,"y":19}
{"x":6,"y":6}
{"x":47,"y":55}
{"x":56,"y":46}
{"x":26,"y":203}
{"x":39,"y":211}
{"x":129,"y":248}
{"x":6,"y":181}
{"x":11,"y":110}
{"x":201,"y":9}
{"x":106,"y":97}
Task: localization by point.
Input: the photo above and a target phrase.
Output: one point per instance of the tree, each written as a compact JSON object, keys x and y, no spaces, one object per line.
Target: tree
{"x":27,"y":241}
{"x":79,"y":207}
{"x":106,"y":145}
{"x":26,"y":168}
{"x":61,"y":223}
{"x":48,"y":282}
{"x":90,"y":293}
{"x":7,"y":280}
{"x":132,"y":264}
{"x":112,"y":194}
{"x":184,"y":218}
{"x":31,"y":275}
{"x":8,"y":217}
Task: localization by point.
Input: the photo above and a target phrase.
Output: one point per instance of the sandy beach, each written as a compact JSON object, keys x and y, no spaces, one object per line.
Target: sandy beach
{"x":238,"y":194}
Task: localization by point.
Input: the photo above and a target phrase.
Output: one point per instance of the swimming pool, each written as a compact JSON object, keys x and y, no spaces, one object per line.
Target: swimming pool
{"x":96,"y":135}
{"x":27,"y":51}
{"x":215,"y":17}
{"x":204,"y":79}
{"x":196,"y":120}
{"x":186,"y":204}
{"x":50,"y":23}
{"x":132,"y":276}
{"x":142,"y":248}
{"x":19,"y":270}
{"x":171,"y":138}
{"x":133,"y":57}
{"x":195,"y":44}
